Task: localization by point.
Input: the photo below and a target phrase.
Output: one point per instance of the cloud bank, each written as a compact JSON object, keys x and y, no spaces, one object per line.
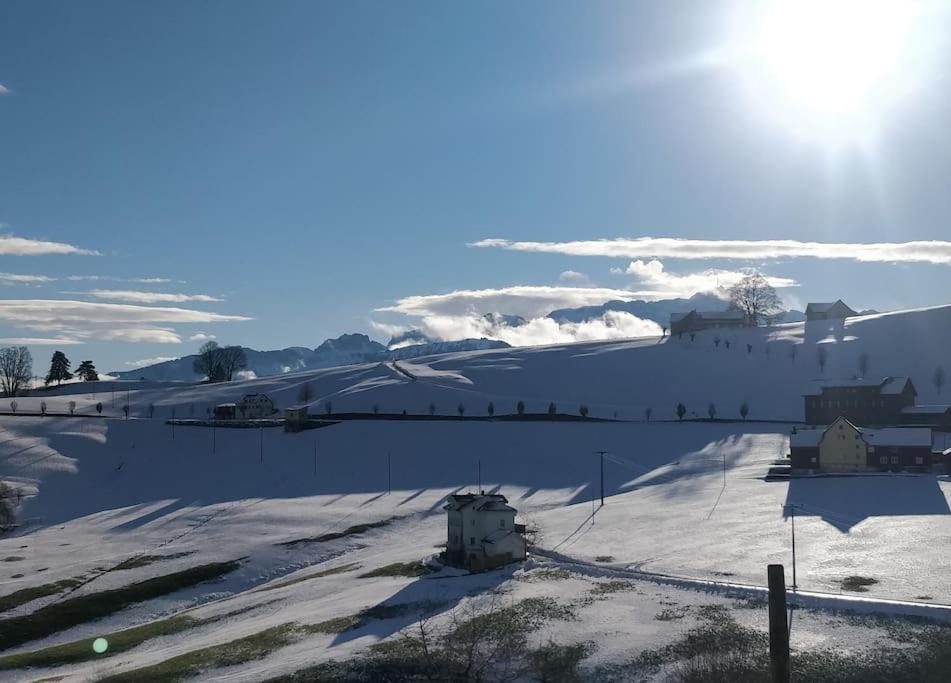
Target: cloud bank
{"x":22,"y":246}
{"x":148,"y":297}
{"x":934,"y":251}
{"x":149,"y":361}
{"x":653,"y":274}
{"x":539,"y":331}
{"x":529,"y":301}
{"x":81,"y":321}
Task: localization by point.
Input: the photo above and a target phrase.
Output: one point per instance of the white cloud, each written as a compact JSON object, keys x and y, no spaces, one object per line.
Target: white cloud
{"x":525,"y":300}
{"x":391,"y":330}
{"x":4,"y":90}
{"x":202,"y":337}
{"x":84,"y":320}
{"x":653,"y":274}
{"x":245,"y":374}
{"x":39,"y":341}
{"x":150,"y":280}
{"x":934,"y":251}
{"x":149,"y":361}
{"x":27,"y":279}
{"x":151,"y":335}
{"x":537,"y":331}
{"x":42,"y":311}
{"x":147,"y":297}
{"x":574,"y":277}
{"x":22,"y":246}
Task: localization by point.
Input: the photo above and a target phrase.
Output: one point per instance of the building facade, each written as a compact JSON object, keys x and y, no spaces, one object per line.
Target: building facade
{"x":481,"y":532}
{"x":844,"y":447}
{"x":861,"y":401}
{"x":254,"y":406}
{"x":696,"y":321}
{"x":829,"y":311}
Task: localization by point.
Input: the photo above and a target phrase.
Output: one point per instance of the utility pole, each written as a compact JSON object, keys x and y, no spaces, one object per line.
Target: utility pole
{"x":792,"y":507}
{"x":479,"y":487}
{"x":262,"y":444}
{"x":602,"y":454}
{"x":315,"y":457}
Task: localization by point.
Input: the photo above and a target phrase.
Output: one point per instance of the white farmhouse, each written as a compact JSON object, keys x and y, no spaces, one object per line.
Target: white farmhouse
{"x":254,"y":406}
{"x":482,"y":532}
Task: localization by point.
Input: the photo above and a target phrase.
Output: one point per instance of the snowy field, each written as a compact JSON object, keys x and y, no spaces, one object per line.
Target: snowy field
{"x":685,"y":503}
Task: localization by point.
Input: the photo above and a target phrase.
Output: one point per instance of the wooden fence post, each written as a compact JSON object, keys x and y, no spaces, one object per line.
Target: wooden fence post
{"x":778,"y":626}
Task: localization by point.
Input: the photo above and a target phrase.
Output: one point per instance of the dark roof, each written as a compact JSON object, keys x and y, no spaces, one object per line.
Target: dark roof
{"x":478,"y":501}
{"x":826,"y":306}
{"x":887,"y":385}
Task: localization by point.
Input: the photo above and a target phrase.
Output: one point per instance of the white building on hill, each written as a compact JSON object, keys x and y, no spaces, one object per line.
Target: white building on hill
{"x":482,"y":532}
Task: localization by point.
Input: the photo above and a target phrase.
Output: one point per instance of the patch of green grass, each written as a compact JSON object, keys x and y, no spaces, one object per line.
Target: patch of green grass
{"x":232,"y":653}
{"x":363,"y":617}
{"x":349,"y":531}
{"x":542,"y":575}
{"x":353,"y":566}
{"x":25,"y":595}
{"x":70,"y":612}
{"x":857,"y":584}
{"x":408,"y":569}
{"x":145,"y":560}
{"x":81,"y":650}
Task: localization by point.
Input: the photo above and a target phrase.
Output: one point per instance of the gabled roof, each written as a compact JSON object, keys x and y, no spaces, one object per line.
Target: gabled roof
{"x":826,"y":306}
{"x":889,"y":436}
{"x":492,"y":502}
{"x":888,"y":385}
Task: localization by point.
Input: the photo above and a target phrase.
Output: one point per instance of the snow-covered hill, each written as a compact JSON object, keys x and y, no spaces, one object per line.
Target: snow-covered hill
{"x":683,"y":500}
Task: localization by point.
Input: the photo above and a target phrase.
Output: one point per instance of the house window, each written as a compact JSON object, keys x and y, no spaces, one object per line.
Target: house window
{"x":472,"y":540}
{"x":501,"y":523}
{"x":919,"y":460}
{"x":813,"y":458}
{"x":883,"y":460}
{"x":894,"y":459}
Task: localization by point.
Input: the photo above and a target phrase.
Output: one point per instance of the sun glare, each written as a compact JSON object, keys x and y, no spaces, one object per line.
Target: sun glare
{"x":837,"y":66}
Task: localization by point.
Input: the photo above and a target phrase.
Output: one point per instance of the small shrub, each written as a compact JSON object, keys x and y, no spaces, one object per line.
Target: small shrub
{"x":857,"y":584}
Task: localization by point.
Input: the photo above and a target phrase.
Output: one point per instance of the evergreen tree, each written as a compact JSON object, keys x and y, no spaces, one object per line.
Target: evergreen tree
{"x":87,"y":371}
{"x":59,"y":369}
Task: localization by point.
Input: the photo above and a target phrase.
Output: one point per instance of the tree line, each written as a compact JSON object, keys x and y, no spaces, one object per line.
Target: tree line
{"x":16,"y":370}
{"x":219,"y":363}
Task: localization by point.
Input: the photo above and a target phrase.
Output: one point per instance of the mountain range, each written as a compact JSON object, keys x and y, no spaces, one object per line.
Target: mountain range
{"x":352,"y":349}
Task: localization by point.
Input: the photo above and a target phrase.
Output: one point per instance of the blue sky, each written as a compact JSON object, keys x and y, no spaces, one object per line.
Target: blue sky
{"x":303,"y":164}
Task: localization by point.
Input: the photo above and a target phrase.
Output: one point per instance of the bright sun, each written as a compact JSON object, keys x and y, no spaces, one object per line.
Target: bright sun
{"x":836,"y":67}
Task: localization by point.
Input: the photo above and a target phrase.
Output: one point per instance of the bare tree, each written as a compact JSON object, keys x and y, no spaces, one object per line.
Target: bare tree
{"x":13,"y":406}
{"x":329,"y":407}
{"x":72,"y":407}
{"x":232,"y":359}
{"x":491,"y":409}
{"x":647,"y":413}
{"x":520,"y":407}
{"x":663,"y":331}
{"x":461,"y":409}
{"x":681,"y":411}
{"x":99,"y":407}
{"x":305,"y":394}
{"x":821,"y":357}
{"x":583,"y":410}
{"x":938,"y":379}
{"x":744,"y":410}
{"x":749,"y":348}
{"x":16,"y":368}
{"x":376,"y":408}
{"x":125,"y":410}
{"x":716,"y":342}
{"x":151,"y":410}
{"x":792,"y":353}
{"x":43,"y":407}
{"x":756,"y":298}
{"x":208,"y":362}
{"x":712,"y":410}
{"x":432,"y":408}
{"x":863,"y":362}
{"x":552,"y":408}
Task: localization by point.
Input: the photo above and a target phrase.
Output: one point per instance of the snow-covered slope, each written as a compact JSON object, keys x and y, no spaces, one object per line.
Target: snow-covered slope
{"x":684,"y":500}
